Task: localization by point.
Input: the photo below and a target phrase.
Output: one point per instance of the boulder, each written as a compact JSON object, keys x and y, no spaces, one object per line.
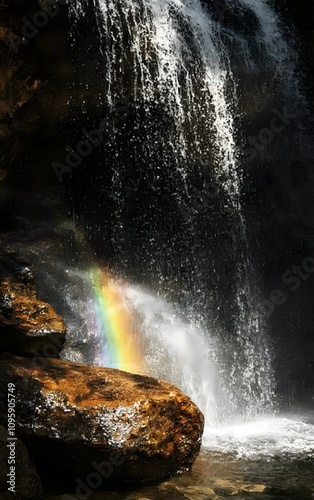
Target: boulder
{"x":24,"y":478}
{"x":28,"y":326}
{"x":93,"y":426}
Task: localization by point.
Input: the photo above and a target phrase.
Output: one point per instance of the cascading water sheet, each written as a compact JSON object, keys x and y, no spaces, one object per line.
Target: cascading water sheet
{"x":177,"y":58}
{"x":170,"y":53}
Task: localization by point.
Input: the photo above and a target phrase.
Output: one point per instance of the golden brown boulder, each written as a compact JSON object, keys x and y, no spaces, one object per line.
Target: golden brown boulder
{"x":28,"y":326}
{"x":95,"y":425}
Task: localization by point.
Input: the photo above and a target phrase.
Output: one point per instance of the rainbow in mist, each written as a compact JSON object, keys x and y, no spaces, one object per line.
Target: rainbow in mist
{"x":121,"y":340}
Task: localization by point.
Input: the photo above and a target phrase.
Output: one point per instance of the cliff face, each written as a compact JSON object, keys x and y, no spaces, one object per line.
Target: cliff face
{"x":35,"y":73}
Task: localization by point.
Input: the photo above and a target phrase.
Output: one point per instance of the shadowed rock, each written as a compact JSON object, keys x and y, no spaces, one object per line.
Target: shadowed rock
{"x":27,"y":482}
{"x":74,"y":418}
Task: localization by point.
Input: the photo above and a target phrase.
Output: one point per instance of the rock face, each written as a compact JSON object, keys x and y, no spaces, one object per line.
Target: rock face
{"x":76,"y":420}
{"x":34,"y":77}
{"x":28,"y":326}
{"x":28,"y":484}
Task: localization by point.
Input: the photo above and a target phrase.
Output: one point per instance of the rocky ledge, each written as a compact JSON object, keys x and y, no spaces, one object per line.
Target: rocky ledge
{"x":28,"y":326}
{"x":91,"y":425}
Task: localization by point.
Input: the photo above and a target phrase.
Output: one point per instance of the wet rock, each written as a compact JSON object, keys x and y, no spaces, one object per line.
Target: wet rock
{"x":200,"y":493}
{"x":27,"y":482}
{"x":89,"y":425}
{"x":254,"y":488}
{"x":28,"y":326}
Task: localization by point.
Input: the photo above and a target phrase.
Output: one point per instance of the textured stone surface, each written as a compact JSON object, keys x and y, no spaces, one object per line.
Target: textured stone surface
{"x":28,"y":326}
{"x":72,"y":416}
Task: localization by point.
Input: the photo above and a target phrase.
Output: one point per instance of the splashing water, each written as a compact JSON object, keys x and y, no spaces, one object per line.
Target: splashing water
{"x":180,"y":352}
{"x":143,"y":333}
{"x":176,"y":350}
{"x":268,"y":437}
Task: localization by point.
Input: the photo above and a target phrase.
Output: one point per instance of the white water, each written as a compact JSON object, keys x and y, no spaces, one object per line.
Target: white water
{"x":176,"y":58}
{"x":175,"y":350}
{"x":190,"y":61}
{"x":269,"y":437}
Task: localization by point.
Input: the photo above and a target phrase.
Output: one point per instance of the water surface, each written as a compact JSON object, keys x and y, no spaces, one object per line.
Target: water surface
{"x":268,"y":459}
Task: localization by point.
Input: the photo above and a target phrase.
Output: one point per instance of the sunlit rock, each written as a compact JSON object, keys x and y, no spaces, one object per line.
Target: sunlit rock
{"x":81,"y":422}
{"x":28,"y":326}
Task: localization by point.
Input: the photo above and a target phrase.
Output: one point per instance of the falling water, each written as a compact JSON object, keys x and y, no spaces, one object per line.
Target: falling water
{"x":175,"y":56}
{"x":282,"y":56}
{"x":171,"y":55}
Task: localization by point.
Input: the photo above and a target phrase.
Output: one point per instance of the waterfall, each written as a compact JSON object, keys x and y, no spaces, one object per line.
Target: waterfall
{"x":174,"y":56}
{"x":174,"y":188}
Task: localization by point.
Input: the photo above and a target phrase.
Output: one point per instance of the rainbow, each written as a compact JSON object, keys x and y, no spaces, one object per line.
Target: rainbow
{"x":121,"y":340}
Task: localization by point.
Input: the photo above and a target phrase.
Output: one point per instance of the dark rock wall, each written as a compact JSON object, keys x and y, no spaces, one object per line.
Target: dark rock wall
{"x":34,"y":78}
{"x":290,"y":208}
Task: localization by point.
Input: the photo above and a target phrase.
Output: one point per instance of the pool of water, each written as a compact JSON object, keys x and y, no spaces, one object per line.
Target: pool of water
{"x":268,"y":459}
